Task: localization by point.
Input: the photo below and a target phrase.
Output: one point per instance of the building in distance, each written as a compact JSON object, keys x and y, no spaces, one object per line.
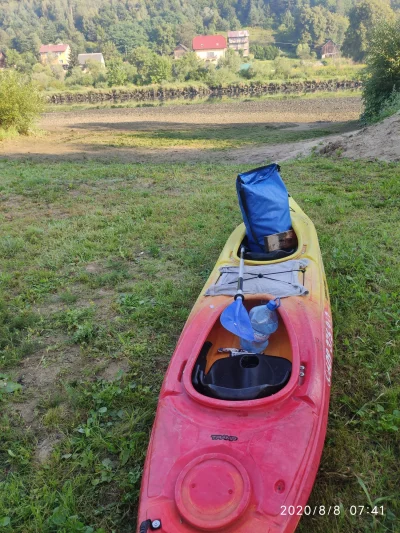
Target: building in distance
{"x":55,"y":53}
{"x":239,"y":40}
{"x":180,"y":51}
{"x":209,"y":47}
{"x":96,"y":57}
{"x":329,"y":49}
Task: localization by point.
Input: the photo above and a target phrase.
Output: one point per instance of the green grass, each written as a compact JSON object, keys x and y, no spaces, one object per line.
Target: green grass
{"x":220,"y":137}
{"x":8,"y":134}
{"x":100,"y":265}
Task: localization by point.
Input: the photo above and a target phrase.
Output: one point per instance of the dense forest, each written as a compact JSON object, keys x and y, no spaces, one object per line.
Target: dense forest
{"x":161,"y":24}
{"x":137,"y":37}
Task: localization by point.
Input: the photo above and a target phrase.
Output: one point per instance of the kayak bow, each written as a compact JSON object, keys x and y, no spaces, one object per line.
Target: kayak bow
{"x":237,"y":465}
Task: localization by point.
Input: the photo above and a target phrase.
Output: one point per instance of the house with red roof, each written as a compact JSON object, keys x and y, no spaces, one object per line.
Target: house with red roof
{"x":209,"y":47}
{"x":55,"y":53}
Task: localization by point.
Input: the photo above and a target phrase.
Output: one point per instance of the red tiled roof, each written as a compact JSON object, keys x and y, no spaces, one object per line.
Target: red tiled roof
{"x":49,"y":48}
{"x":209,"y":42}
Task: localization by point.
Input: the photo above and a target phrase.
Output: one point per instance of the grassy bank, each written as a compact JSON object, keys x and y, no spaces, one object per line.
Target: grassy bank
{"x":100,"y":265}
{"x":200,"y":137}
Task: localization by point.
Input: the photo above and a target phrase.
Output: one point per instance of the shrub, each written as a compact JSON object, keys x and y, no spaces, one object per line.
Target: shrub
{"x":303,"y":51}
{"x":231,"y":61}
{"x":283,"y":68}
{"x":260,"y":70}
{"x":218,"y":77}
{"x":48,"y":77}
{"x":189,"y":68}
{"x":116,"y":73}
{"x":389,"y":107}
{"x":20,"y":101}
{"x":382,"y":74}
{"x":76,"y":76}
{"x":267,"y":52}
{"x":160,"y":69}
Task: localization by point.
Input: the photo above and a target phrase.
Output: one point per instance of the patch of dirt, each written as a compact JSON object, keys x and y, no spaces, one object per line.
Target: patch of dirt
{"x":332,"y":147}
{"x":27,"y":410}
{"x":75,"y":135}
{"x":112,"y":369}
{"x":104,"y":293}
{"x":94,"y":268}
{"x":379,"y":141}
{"x":276,"y":111}
{"x":272,"y":152}
{"x":46,"y":446}
{"x":41,"y":373}
{"x":39,"y":376}
{"x":71,"y":135}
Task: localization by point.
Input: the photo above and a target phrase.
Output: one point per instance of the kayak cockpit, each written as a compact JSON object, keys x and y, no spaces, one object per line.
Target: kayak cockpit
{"x":266,"y":257}
{"x":221,"y":371}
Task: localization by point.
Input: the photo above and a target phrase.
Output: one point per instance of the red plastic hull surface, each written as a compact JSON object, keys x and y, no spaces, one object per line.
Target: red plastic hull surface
{"x":236,"y":467}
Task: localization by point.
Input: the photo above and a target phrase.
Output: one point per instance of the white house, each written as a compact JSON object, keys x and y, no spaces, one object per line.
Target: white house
{"x":83,"y":58}
{"x":209,"y":47}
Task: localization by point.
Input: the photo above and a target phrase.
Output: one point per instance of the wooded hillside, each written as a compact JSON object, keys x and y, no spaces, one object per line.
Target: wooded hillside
{"x":160,"y":24}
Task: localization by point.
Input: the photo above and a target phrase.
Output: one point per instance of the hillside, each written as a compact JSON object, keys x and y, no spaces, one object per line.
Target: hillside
{"x":89,"y":25}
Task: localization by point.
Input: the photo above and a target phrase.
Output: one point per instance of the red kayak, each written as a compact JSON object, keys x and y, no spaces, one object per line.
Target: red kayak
{"x":244,"y":463}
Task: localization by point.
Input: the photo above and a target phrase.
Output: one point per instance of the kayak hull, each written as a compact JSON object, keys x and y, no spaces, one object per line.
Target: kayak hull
{"x":241,"y":466}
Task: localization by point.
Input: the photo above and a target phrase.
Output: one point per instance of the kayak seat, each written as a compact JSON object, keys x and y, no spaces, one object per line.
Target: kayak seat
{"x":243,"y":377}
{"x":268,"y":256}
{"x":263,"y":256}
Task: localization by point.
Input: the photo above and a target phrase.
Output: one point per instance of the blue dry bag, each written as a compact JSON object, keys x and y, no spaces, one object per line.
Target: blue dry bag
{"x":264,"y":203}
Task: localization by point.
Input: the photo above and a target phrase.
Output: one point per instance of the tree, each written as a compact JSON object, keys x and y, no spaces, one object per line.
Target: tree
{"x":109,"y":50}
{"x":116,"y":73}
{"x":142,"y":58}
{"x":163,"y":37}
{"x":12,"y":58}
{"x":73,"y":58}
{"x":160,"y":69}
{"x":126,"y":36}
{"x":382,"y":75}
{"x":303,"y":51}
{"x":185,"y":33}
{"x":314,"y":21}
{"x":256,"y":14}
{"x":89,"y":29}
{"x":364,"y":17}
{"x":336,"y":27}
{"x":231,"y":61}
{"x":288,"y":22}
{"x":264,"y":52}
{"x":20,"y":101}
{"x":190,"y":67}
{"x":26,"y":43}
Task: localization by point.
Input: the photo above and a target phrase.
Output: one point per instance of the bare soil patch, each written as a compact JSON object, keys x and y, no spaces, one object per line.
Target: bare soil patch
{"x":97,"y":133}
{"x":379,"y":141}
